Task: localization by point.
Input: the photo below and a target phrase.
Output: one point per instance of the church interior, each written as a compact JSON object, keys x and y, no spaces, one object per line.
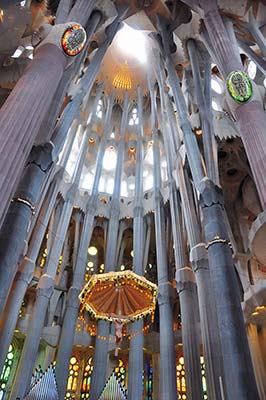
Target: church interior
{"x":133,"y":200}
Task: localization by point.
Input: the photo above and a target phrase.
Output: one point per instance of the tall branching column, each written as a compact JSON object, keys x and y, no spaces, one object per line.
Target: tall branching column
{"x":103,"y":327}
{"x":239,"y":377}
{"x":30,"y":347}
{"x":15,"y":225}
{"x":250,"y":116}
{"x":186,"y":285}
{"x":135,"y":387}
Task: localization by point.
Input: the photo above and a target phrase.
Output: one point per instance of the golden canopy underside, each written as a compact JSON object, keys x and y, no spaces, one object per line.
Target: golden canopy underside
{"x":119,"y":296}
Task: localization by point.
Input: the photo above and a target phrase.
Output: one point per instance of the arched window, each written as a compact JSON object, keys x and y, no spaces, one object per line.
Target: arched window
{"x":181,"y":380}
{"x":99,"y":109}
{"x":203,"y":377}
{"x":72,"y":383}
{"x":134,"y":119}
{"x":86,"y":381}
{"x":120,"y":371}
{"x":147,"y":381}
{"x":5,"y":375}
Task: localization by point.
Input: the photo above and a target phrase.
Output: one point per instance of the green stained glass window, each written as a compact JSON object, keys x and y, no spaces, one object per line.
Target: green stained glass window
{"x":120,"y":371}
{"x":239,"y":86}
{"x":5,"y":375}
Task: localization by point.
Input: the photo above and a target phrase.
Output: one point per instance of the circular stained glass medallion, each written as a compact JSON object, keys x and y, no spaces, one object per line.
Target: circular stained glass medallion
{"x":239,"y":86}
{"x":73,"y":40}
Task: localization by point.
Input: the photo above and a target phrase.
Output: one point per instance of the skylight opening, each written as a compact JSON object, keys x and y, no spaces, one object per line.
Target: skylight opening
{"x":131,"y":41}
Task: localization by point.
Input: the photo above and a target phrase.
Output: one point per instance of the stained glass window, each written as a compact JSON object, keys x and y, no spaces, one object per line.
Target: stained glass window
{"x":120,"y":371}
{"x":5,"y":375}
{"x":86,"y":381}
{"x":72,"y":383}
{"x":203,"y":377}
{"x":99,"y":109}
{"x":149,"y":386}
{"x":181,"y":380}
{"x":134,"y":119}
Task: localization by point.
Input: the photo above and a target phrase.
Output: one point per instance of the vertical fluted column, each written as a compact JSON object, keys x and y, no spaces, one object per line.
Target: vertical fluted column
{"x":257,"y":359}
{"x":205,"y":115}
{"x":71,"y":313}
{"x":239,"y":379}
{"x":77,"y":218}
{"x":136,"y":343}
{"x":26,"y":269}
{"x":101,"y":346}
{"x":208,"y":319}
{"x":186,"y":287}
{"x":14,"y":229}
{"x":236,"y":361}
{"x":10,"y":315}
{"x":30,"y":348}
{"x":250,"y":117}
{"x":168,"y":389}
{"x":16,"y":224}
{"x":22,"y":114}
{"x":51,"y":271}
{"x":187,"y":291}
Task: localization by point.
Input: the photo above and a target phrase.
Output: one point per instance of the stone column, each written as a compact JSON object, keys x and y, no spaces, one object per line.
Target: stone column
{"x":30,"y":348}
{"x":23,"y":112}
{"x":77,"y":218}
{"x":239,"y":377}
{"x":71,"y":314}
{"x":135,"y":366}
{"x":250,"y":116}
{"x":168,"y":390}
{"x":238,"y":371}
{"x":186,"y":287}
{"x":210,"y":150}
{"x":49,"y":121}
{"x":24,"y":274}
{"x":16,"y":224}
{"x":10,"y":315}
{"x":101,"y":346}
{"x":257,"y":359}
{"x":65,"y":348}
{"x":209,"y":326}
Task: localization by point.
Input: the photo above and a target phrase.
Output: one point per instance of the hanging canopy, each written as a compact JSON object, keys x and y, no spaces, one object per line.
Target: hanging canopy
{"x":119,"y":296}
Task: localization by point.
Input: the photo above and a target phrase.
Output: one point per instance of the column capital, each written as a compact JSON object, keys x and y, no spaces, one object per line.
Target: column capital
{"x":185,"y":280}
{"x":210,"y":193}
{"x":199,"y":257}
{"x":45,"y":286}
{"x":26,"y":270}
{"x":165,"y":293}
{"x":41,"y":155}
